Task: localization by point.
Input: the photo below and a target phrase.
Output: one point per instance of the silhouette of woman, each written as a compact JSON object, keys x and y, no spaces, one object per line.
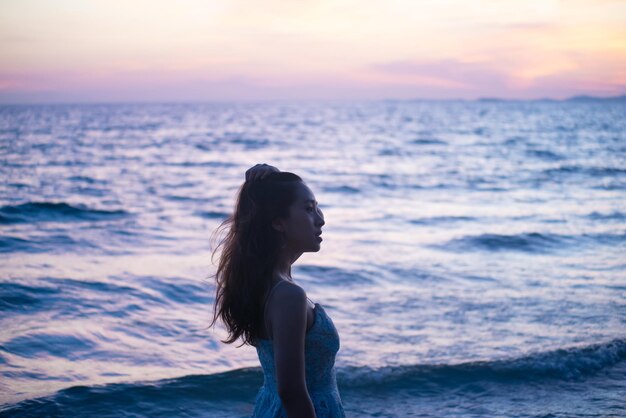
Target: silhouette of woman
{"x":276,"y":219}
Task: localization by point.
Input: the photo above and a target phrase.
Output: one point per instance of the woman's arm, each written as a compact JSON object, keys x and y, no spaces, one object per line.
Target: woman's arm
{"x":287,"y":314}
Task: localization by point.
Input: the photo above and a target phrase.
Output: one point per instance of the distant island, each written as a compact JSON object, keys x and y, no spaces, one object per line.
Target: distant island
{"x":581,"y":98}
{"x":595,"y":98}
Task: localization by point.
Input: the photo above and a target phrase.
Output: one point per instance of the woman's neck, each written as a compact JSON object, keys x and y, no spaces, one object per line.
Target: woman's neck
{"x":282,"y":270}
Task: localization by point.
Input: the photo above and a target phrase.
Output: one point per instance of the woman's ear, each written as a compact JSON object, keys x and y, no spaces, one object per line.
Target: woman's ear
{"x":277,"y":224}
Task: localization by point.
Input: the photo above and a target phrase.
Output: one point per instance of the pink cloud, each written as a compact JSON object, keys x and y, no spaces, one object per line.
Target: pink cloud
{"x":472,"y":78}
{"x":441,"y":79}
{"x":593,"y":75}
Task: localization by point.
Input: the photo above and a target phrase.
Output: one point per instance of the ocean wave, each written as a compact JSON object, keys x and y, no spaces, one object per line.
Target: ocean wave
{"x":67,"y":297}
{"x":31,"y":212}
{"x":56,"y":345}
{"x":528,"y":242}
{"x":110,"y":241}
{"x":427,"y":141}
{"x":15,"y":297}
{"x":531,"y":242}
{"x":248,"y":143}
{"x":343,"y":189}
{"x":194,"y":395}
{"x":441,"y":219}
{"x":237,"y":388}
{"x":589,"y":171}
{"x":210,"y":214}
{"x":85,"y":179}
{"x":333,"y":276}
{"x":43,"y":244}
{"x":561,"y":364}
{"x":614,"y":216}
{"x":544,"y":155}
{"x":214,"y":164}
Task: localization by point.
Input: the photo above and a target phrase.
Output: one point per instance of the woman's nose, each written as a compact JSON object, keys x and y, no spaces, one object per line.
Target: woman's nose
{"x":320,"y":215}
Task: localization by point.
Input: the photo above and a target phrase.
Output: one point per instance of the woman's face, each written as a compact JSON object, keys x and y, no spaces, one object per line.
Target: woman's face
{"x":305,"y":222}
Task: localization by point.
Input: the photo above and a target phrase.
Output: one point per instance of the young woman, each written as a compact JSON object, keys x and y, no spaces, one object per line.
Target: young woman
{"x":276,"y":219}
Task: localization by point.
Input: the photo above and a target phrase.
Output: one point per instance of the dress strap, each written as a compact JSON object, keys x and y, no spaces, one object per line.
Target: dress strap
{"x":265,"y":304}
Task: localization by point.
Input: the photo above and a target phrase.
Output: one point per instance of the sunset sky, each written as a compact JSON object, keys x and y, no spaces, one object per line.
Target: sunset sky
{"x":193,"y":50}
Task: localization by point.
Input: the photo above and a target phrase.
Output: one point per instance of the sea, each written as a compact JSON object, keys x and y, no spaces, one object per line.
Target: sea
{"x":473,"y":261}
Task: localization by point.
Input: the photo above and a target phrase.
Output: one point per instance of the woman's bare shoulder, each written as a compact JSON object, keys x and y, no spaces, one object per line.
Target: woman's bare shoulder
{"x":288,"y":296}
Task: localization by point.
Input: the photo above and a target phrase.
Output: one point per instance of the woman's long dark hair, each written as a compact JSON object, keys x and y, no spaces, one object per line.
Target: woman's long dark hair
{"x":249,"y":254}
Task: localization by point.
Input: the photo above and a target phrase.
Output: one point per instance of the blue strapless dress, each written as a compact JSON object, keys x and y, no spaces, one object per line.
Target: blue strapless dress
{"x":320,"y":348}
